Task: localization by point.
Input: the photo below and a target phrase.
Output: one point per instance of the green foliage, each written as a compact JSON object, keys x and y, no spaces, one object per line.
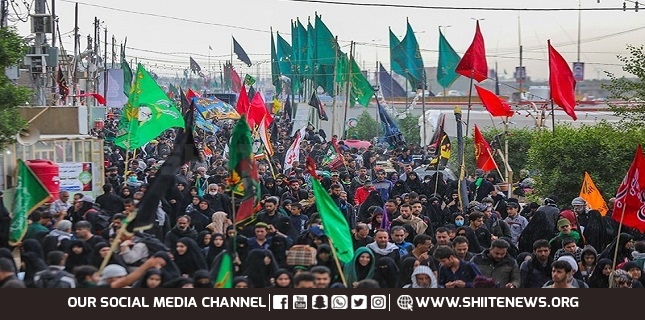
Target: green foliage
{"x":560,"y":160}
{"x":366,"y":129}
{"x":409,"y":126}
{"x":12,"y":49}
{"x":630,"y":90}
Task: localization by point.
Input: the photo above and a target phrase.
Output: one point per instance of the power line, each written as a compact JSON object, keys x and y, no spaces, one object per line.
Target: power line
{"x":408,"y":6}
{"x":167,"y":17}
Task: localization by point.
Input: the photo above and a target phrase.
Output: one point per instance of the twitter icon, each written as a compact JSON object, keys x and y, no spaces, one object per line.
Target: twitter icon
{"x":359,"y":302}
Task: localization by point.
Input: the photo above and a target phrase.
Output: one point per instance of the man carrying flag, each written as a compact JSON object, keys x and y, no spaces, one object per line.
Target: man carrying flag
{"x":315,"y":102}
{"x":29,"y":194}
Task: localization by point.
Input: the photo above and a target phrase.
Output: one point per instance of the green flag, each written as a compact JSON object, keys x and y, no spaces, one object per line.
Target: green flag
{"x":275,"y":68}
{"x":397,"y":56}
{"x":243,"y":177}
{"x":29,"y":194}
{"x":249,"y":80}
{"x":326,"y":46}
{"x":223,"y":270}
{"x":284,"y":52}
{"x":300,"y":47}
{"x":334,"y":223}
{"x":361,"y":89}
{"x":341,"y":68}
{"x":127,"y":72}
{"x":311,"y":52}
{"x":415,"y":72}
{"x":148,"y":113}
{"x":448,"y":61}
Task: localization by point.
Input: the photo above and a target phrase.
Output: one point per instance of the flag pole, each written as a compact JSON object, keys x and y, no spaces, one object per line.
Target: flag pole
{"x":335,"y":93}
{"x":507,"y":167}
{"x":470,"y":96}
{"x":266,"y":156}
{"x":620,"y":227}
{"x":340,"y":269}
{"x":552,"y":116}
{"x":117,"y":239}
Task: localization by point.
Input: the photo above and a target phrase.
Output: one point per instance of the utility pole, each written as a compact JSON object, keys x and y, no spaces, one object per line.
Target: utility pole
{"x":95,"y":55}
{"x":76,"y":56}
{"x":105,"y":71}
{"x":3,"y":13}
{"x":39,"y":26}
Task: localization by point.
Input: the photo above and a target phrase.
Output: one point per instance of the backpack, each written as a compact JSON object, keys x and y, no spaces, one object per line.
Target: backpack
{"x":154,"y":245}
{"x":50,"y":279}
{"x":99,"y":219}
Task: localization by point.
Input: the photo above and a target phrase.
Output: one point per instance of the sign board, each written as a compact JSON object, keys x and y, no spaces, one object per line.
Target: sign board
{"x":75,"y":176}
{"x":579,"y":71}
{"x":520,"y":73}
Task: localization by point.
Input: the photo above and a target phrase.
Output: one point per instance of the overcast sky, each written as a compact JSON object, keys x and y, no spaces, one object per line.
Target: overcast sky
{"x":164,"y":44}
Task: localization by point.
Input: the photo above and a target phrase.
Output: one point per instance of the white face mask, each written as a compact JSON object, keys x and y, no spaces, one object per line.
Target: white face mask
{"x":212,"y":193}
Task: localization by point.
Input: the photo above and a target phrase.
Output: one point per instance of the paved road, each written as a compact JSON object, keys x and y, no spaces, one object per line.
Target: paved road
{"x":478,"y":115}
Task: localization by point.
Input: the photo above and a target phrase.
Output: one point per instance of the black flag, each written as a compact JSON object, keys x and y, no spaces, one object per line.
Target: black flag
{"x":184,"y":151}
{"x":185,"y":104}
{"x":241,"y":54}
{"x":315,"y":102}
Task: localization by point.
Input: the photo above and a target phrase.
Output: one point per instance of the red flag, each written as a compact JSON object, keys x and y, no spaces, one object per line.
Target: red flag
{"x":561,"y":82}
{"x":99,"y":98}
{"x":190,"y":94}
{"x":494,"y":104}
{"x":311,"y":166}
{"x":473,"y":63}
{"x":630,"y":197}
{"x":257,"y":111}
{"x":483,"y":152}
{"x":243,"y":103}
{"x":236,"y":82}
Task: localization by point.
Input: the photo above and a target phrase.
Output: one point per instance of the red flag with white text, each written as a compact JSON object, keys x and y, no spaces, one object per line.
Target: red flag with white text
{"x":630,"y":197}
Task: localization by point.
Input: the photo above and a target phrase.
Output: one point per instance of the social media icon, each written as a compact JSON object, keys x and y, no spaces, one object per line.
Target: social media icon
{"x":405,"y":302}
{"x":280,"y":302}
{"x":300,"y":302}
{"x":319,"y":302}
{"x":378,"y":302}
{"x":359,"y":302}
{"x":339,"y":302}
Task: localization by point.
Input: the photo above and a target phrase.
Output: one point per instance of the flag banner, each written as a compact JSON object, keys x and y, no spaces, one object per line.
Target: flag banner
{"x":241,"y":54}
{"x":127,"y":72}
{"x":222,"y":271}
{"x":251,"y":93}
{"x":592,"y":195}
{"x":243,"y":103}
{"x":332,"y":158}
{"x":63,"y":88}
{"x":284,"y":51}
{"x":389,"y":86}
{"x":361,"y":89}
{"x":483,"y":152}
{"x":206,"y":125}
{"x":397,"y":56}
{"x":190,"y":94}
{"x":243,"y":179}
{"x":184,"y":102}
{"x":391,"y":131}
{"x":277,"y":106}
{"x":29,"y":194}
{"x":442,"y":154}
{"x":293,"y":153}
{"x":448,"y":61}
{"x":495,"y":106}
{"x":326,"y":46}
{"x":317,"y":104}
{"x":415,"y":71}
{"x":148,"y":113}
{"x":194,"y":67}
{"x":264,"y":136}
{"x":215,"y":109}
{"x":99,"y":98}
{"x":333,"y":221}
{"x":473,"y":64}
{"x":562,"y":85}
{"x":258,"y":112}
{"x":249,"y":80}
{"x":630,"y":204}
{"x":275,"y":68}
{"x":184,"y":151}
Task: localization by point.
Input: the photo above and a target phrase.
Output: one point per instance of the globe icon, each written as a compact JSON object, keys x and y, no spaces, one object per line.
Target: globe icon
{"x":405,"y":302}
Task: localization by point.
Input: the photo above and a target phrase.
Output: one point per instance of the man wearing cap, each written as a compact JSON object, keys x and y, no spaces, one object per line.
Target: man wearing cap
{"x":515,"y":221}
{"x":565,"y":232}
{"x":582,"y":212}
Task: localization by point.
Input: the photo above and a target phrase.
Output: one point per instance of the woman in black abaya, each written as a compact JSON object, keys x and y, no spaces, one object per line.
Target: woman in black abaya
{"x":189,"y":257}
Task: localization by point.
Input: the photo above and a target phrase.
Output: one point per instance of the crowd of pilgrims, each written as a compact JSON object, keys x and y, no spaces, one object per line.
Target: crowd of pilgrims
{"x":407,"y":231}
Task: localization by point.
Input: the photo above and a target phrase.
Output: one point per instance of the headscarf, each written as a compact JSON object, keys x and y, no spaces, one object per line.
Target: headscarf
{"x":281,"y":272}
{"x":74,"y":260}
{"x":213,"y":251}
{"x":386,"y":273}
{"x":143,"y":281}
{"x":622,"y":254}
{"x":192,"y":260}
{"x":200,"y":239}
{"x":422,"y":269}
{"x":405,"y":273}
{"x":202,"y":274}
{"x":257,"y":271}
{"x":355,"y":272}
{"x":6,"y":253}
{"x":32,"y":256}
{"x":540,"y":227}
{"x":170,"y":271}
{"x":597,"y":278}
{"x":220,"y":222}
{"x":597,"y":230}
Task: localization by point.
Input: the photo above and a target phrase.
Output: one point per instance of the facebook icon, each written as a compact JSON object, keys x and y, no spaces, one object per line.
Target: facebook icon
{"x":280,"y":302}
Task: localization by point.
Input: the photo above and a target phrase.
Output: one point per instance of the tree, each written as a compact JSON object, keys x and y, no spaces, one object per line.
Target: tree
{"x":12,"y":49}
{"x":409,"y":127}
{"x":366,"y":129}
{"x":630,"y":90}
{"x":560,"y":160}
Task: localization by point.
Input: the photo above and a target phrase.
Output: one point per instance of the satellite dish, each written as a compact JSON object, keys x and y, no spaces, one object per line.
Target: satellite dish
{"x":28,"y":137}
